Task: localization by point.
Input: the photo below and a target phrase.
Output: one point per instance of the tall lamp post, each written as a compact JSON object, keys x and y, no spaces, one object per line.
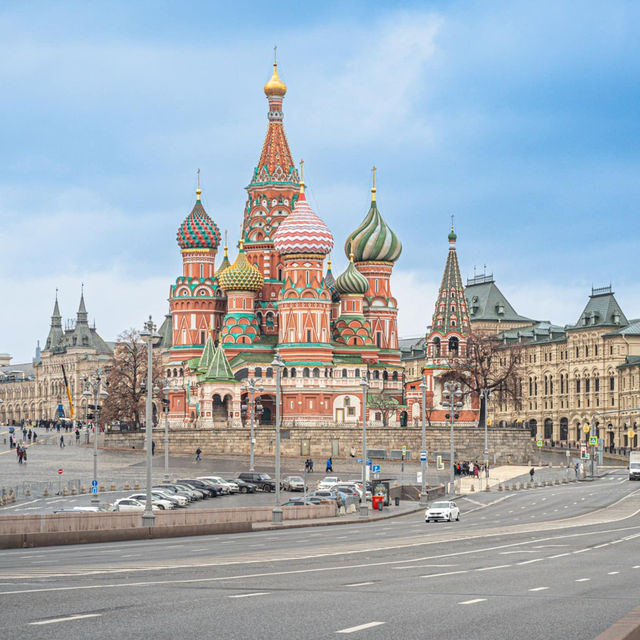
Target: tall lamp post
{"x":149,"y":335}
{"x":93,"y":386}
{"x":452,"y":394}
{"x":364,"y":509}
{"x":277,"y":364}
{"x":252,"y":386}
{"x":423,"y":491}
{"x":485,"y":394}
{"x":165,"y":406}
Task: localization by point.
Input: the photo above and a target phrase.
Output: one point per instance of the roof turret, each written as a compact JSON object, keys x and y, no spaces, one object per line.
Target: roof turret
{"x":198,"y":231}
{"x":373,"y":240}
{"x":352,"y":282}
{"x":241,"y":275}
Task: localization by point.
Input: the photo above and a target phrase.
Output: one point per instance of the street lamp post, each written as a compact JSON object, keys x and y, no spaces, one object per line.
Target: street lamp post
{"x":364,"y":510}
{"x":277,"y":364}
{"x":423,"y":491}
{"x":94,"y":385}
{"x":451,"y":394}
{"x":165,"y":402}
{"x":485,"y":394}
{"x":149,"y":334}
{"x":251,"y":385}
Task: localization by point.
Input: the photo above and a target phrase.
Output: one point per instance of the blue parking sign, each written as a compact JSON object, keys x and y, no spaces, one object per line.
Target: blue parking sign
{"x":375,"y":468}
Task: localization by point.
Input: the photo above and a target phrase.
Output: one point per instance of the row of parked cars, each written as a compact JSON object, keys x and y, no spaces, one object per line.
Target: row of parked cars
{"x":331,"y":488}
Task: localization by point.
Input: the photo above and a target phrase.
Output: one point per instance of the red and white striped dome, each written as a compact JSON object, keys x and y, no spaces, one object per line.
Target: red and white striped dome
{"x":303,"y":231}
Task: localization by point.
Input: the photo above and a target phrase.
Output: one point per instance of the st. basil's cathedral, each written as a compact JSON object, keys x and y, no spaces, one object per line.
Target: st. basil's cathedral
{"x":226,"y":323}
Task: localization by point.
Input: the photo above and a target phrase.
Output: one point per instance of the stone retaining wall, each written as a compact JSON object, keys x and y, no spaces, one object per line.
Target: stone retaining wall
{"x":508,"y":444}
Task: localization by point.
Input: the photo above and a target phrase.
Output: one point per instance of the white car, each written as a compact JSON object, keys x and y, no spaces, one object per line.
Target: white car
{"x":293,"y":483}
{"x":221,"y":482}
{"x":155,"y":499}
{"x":445,"y":510}
{"x":183,"y":501}
{"x":328,"y":482}
{"x":129,"y":504}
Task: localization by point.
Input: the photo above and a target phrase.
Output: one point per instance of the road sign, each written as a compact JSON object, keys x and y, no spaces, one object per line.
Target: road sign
{"x":593,"y":441}
{"x":583,"y":452}
{"x":404,"y":449}
{"x":539,"y":443}
{"x":587,"y":456}
{"x":631,"y":433}
{"x":94,"y":489}
{"x":359,"y":460}
{"x":368,"y":462}
{"x":59,"y":472}
{"x":375,"y":468}
{"x":419,"y":477}
{"x":94,"y":483}
{"x":423,"y":456}
{"x":568,"y":453}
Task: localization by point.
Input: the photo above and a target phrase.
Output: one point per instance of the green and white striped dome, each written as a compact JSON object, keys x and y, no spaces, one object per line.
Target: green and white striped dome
{"x":352,"y":282}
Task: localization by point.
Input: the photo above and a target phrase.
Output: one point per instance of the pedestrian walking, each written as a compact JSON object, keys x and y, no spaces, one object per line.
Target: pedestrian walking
{"x":531,"y":473}
{"x":198,"y":454}
{"x":577,"y":467}
{"x":153,"y":448}
{"x":19,"y":453}
{"x":310,"y":465}
{"x":352,"y":453}
{"x":329,"y":465}
{"x":35,"y":437}
{"x":62,"y":442}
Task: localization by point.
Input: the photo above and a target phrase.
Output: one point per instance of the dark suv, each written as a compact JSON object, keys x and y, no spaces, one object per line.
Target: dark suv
{"x":261,"y":480}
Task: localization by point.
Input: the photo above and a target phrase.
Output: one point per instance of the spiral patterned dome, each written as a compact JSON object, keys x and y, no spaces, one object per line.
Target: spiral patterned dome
{"x":198,"y":231}
{"x":241,"y":275}
{"x":352,"y":282}
{"x":373,"y":240}
{"x":303,"y":231}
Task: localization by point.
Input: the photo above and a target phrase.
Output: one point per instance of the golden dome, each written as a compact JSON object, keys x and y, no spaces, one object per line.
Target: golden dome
{"x":275,"y":86}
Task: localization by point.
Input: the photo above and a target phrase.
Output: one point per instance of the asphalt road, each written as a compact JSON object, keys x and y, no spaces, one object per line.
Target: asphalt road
{"x":554,"y":562}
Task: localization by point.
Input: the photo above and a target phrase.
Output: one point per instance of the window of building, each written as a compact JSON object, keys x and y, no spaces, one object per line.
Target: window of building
{"x":587,"y":385}
{"x":351,"y":411}
{"x":344,"y":374}
{"x":308,"y":335}
{"x":596,"y":383}
{"x":577,"y":352}
{"x":577,"y":386}
{"x":612,"y":384}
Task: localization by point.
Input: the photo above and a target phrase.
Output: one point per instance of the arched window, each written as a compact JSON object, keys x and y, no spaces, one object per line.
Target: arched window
{"x":293,"y":372}
{"x":305,"y":372}
{"x":285,"y":372}
{"x":376,"y":375}
{"x":344,"y":373}
{"x":347,"y":401}
{"x":181,"y":373}
{"x":316,"y":372}
{"x":436,"y":347}
{"x":453,"y":344}
{"x":269,"y":372}
{"x":357,"y":373}
{"x":385,"y":375}
{"x":257,"y":372}
{"x":395,"y":376}
{"x":168,"y":373}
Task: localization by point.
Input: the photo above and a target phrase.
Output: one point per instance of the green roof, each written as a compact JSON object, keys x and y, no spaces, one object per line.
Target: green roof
{"x":486,"y":302}
{"x":602,"y":310}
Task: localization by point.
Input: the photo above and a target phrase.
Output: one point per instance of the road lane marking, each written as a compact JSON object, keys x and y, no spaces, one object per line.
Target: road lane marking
{"x":599,"y":546}
{"x":539,"y":589}
{"x":424,"y":566}
{"x":251,"y":595}
{"x":559,"y":555}
{"x":360,"y":627}
{"x":583,"y":579}
{"x":448,"y":573}
{"x":474,"y":601}
{"x":500,"y":566}
{"x":359,"y":584}
{"x":531,"y":561}
{"x":78,"y":617}
{"x":613,"y":573}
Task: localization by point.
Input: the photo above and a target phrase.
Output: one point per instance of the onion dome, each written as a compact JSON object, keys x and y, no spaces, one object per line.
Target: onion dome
{"x":225,"y":264}
{"x":330,"y":283}
{"x":241,"y":275}
{"x":352,"y":282}
{"x":198,"y":231}
{"x":275,"y":86}
{"x":373,"y":240}
{"x":302,"y":231}
{"x":452,"y":235}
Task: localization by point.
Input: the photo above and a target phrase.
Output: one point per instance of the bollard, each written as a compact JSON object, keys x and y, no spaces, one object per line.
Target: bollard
{"x":27,"y":492}
{"x":499,"y":487}
{"x":101,"y":488}
{"x":4,"y":500}
{"x":74,"y":491}
{"x":65,"y":492}
{"x":341,"y":511}
{"x":45,"y":493}
{"x":487,"y":488}
{"x":112,"y":487}
{"x":136,"y":485}
{"x":12,"y":496}
{"x":127,"y":486}
{"x":472,"y":488}
{"x":556,"y":481}
{"x":83,"y":489}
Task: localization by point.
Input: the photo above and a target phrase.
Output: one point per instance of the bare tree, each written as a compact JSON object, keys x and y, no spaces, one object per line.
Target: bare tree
{"x":490,"y":367}
{"x":386,"y":405}
{"x":126,"y":378}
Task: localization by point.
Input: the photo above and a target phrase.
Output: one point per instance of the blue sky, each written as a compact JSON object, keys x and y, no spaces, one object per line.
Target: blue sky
{"x":520,"y":118}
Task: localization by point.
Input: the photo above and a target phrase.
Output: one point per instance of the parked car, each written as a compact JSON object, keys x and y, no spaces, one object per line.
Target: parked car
{"x":165,"y":493}
{"x":197,"y":494}
{"x":328,"y":482}
{"x":297,"y":502}
{"x":446,"y":510}
{"x":243,"y":487}
{"x":129,"y":504}
{"x":160,"y":502}
{"x":233,"y":485}
{"x":221,"y":483}
{"x":209,"y":491}
{"x":174,"y":488}
{"x":262,"y":481}
{"x":327,"y":495}
{"x":293,"y":483}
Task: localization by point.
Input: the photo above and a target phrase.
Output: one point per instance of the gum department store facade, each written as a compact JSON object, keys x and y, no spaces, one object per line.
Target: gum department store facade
{"x":225,"y":324}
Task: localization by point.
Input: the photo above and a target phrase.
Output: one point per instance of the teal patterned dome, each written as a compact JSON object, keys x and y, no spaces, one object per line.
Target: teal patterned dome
{"x":352,"y":282}
{"x":373,"y":240}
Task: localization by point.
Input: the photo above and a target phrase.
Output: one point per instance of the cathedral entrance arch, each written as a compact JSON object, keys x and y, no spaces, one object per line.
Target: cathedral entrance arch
{"x":533,"y":428}
{"x":404,"y":418}
{"x":548,"y":429}
{"x":564,"y":429}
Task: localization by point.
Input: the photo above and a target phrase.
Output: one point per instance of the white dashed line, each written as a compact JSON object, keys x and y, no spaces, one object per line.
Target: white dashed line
{"x":358,"y":584}
{"x":583,"y":579}
{"x":360,"y":627}
{"x":54,"y":620}
{"x":530,"y":561}
{"x":250,"y":595}
{"x":439,"y":575}
{"x":539,"y":589}
{"x":474,"y":601}
{"x":500,"y":566}
{"x":613,"y":573}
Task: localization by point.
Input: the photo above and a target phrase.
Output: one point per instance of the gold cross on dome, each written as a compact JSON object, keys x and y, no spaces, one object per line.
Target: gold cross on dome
{"x":198,"y":172}
{"x":373,"y":172}
{"x":301,"y":170}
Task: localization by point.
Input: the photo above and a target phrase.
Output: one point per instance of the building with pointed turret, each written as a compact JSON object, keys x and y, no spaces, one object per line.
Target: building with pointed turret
{"x":277,"y":294}
{"x":39,"y":393}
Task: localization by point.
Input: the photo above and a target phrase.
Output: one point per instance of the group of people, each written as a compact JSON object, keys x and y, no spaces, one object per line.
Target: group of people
{"x":308,"y":465}
{"x":474,"y":469}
